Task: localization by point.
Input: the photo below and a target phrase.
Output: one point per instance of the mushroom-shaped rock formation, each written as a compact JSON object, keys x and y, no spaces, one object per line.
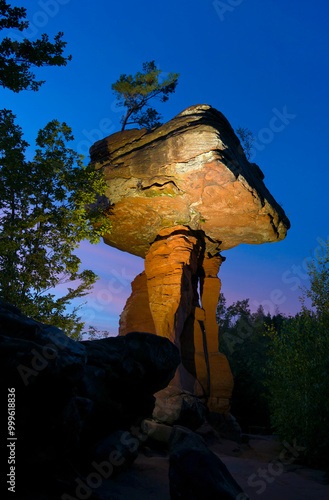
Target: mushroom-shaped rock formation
{"x":179,"y":195}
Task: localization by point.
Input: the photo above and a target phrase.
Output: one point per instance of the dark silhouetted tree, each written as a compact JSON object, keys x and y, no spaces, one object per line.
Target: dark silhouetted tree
{"x":247,"y":139}
{"x":18,"y":57}
{"x":47,"y":206}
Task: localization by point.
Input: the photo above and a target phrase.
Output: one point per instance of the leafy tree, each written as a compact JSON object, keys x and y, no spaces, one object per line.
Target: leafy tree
{"x":17,"y":58}
{"x":47,"y":206}
{"x":222,"y":318}
{"x":95,"y":334}
{"x":298,"y":382}
{"x":134,"y":93}
{"x":235,"y":324}
{"x":242,"y":339}
{"x":298,"y":368}
{"x":247,"y":139}
{"x":318,"y":272}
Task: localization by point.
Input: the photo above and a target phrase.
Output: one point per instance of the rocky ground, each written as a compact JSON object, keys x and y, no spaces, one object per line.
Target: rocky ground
{"x":148,"y":477}
{"x":83,"y":409}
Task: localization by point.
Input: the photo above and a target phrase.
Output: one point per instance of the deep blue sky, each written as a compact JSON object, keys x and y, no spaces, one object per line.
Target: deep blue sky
{"x":252,"y":60}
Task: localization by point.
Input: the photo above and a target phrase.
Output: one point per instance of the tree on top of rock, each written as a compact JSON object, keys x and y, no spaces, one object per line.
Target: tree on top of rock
{"x":135,"y":92}
{"x":247,"y":138}
{"x":17,"y":57}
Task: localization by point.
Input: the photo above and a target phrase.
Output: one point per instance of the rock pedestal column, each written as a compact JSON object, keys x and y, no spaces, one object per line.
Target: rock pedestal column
{"x":165,"y":301}
{"x":136,"y":316}
{"x":171,"y":266}
{"x":220,"y":375}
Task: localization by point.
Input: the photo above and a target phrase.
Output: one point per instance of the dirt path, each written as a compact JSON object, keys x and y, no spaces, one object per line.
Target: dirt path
{"x":256,"y":467}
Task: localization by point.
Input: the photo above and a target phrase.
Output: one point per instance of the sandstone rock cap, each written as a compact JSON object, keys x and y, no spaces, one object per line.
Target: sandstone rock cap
{"x":190,"y":172}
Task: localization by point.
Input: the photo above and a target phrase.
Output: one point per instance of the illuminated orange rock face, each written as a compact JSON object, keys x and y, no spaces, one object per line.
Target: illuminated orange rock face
{"x":179,"y":195}
{"x":191,"y":172}
{"x":165,"y":300}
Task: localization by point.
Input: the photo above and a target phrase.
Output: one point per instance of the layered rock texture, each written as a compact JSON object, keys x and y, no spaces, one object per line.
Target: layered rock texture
{"x":178,"y":195}
{"x":190,"y":171}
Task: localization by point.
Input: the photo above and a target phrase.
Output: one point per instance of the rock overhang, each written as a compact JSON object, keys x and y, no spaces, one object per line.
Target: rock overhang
{"x":189,"y":172}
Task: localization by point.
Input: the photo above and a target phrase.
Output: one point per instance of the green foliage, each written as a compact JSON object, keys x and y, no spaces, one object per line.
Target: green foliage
{"x":134,"y":93}
{"x":281,"y":365}
{"x":318,"y":271}
{"x":47,"y":206}
{"x":17,"y":58}
{"x":298,"y":368}
{"x":247,"y":139}
{"x":242,"y":339}
{"x":95,"y":334}
{"x":298,"y":381}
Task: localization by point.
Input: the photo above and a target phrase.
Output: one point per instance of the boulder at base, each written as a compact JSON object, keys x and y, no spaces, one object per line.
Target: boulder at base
{"x":72,"y":396}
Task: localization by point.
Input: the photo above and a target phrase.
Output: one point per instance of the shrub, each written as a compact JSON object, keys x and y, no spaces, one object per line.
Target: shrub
{"x":298,"y":383}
